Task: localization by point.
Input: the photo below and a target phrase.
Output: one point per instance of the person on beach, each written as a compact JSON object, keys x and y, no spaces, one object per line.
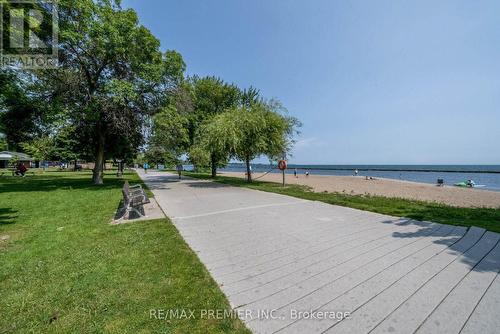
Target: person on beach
{"x":356,"y":172}
{"x":307,"y":174}
{"x":295,"y":172}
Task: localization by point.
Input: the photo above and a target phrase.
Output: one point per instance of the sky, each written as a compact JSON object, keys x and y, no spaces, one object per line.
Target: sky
{"x":373,"y":82}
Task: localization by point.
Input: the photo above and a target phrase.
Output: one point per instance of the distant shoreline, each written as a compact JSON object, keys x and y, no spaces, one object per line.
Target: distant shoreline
{"x":388,"y":168}
{"x":400,"y":170}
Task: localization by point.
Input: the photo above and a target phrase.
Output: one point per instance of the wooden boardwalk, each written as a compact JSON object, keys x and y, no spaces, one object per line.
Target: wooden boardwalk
{"x":294,"y":266}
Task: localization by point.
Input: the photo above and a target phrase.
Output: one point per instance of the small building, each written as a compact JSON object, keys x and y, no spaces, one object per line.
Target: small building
{"x":6,"y":156}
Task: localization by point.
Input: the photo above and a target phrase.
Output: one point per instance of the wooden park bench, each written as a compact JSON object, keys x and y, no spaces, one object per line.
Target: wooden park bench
{"x":134,"y":197}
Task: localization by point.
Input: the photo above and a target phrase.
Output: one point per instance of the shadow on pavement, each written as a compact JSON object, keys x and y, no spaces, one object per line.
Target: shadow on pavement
{"x":472,"y":247}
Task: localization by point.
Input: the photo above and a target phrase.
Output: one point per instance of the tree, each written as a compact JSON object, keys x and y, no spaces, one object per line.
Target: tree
{"x":40,"y":148}
{"x":170,"y":137}
{"x":263,"y":129}
{"x":112,"y":76}
{"x":246,"y":133}
{"x":217,"y":137}
{"x":20,"y":115}
{"x":67,"y":147}
{"x":199,"y":157}
{"x":212,"y":96}
{"x":14,"y":160}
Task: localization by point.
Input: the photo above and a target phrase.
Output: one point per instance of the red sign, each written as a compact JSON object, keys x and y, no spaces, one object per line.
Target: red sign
{"x":282,"y":164}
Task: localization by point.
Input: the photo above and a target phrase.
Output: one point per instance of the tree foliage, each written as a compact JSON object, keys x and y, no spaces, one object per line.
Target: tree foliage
{"x":112,"y":76}
{"x":170,"y":137}
{"x":21,"y":116}
{"x":3,"y":143}
{"x":211,"y":96}
{"x":217,"y":138}
{"x":247,"y":132}
{"x":67,"y":146}
{"x":40,"y":148}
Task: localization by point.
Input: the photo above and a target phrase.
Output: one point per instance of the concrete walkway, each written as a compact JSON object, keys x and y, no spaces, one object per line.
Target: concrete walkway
{"x":294,"y":266}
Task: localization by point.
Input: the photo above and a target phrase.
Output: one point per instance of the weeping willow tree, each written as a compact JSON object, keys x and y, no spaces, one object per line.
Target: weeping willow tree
{"x":248,"y":132}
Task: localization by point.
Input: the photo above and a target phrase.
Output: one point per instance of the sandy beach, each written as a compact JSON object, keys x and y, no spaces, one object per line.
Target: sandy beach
{"x":358,"y":185}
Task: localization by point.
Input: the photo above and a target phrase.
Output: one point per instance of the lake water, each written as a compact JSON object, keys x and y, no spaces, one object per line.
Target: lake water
{"x":487,"y":175}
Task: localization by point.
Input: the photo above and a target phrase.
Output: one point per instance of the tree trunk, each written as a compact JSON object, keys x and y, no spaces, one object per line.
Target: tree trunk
{"x":97,"y":175}
{"x":249,"y":171}
{"x":213,"y":165}
{"x":74,"y":167}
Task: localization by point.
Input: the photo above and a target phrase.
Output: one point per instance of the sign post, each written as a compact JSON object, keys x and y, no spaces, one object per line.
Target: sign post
{"x":282,"y":167}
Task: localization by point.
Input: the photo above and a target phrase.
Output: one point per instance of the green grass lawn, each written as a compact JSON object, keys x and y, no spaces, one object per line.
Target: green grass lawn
{"x":64,"y":269}
{"x":486,"y":218}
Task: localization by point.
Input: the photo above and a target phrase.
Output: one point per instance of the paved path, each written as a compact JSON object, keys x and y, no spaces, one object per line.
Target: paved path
{"x":282,"y":261}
